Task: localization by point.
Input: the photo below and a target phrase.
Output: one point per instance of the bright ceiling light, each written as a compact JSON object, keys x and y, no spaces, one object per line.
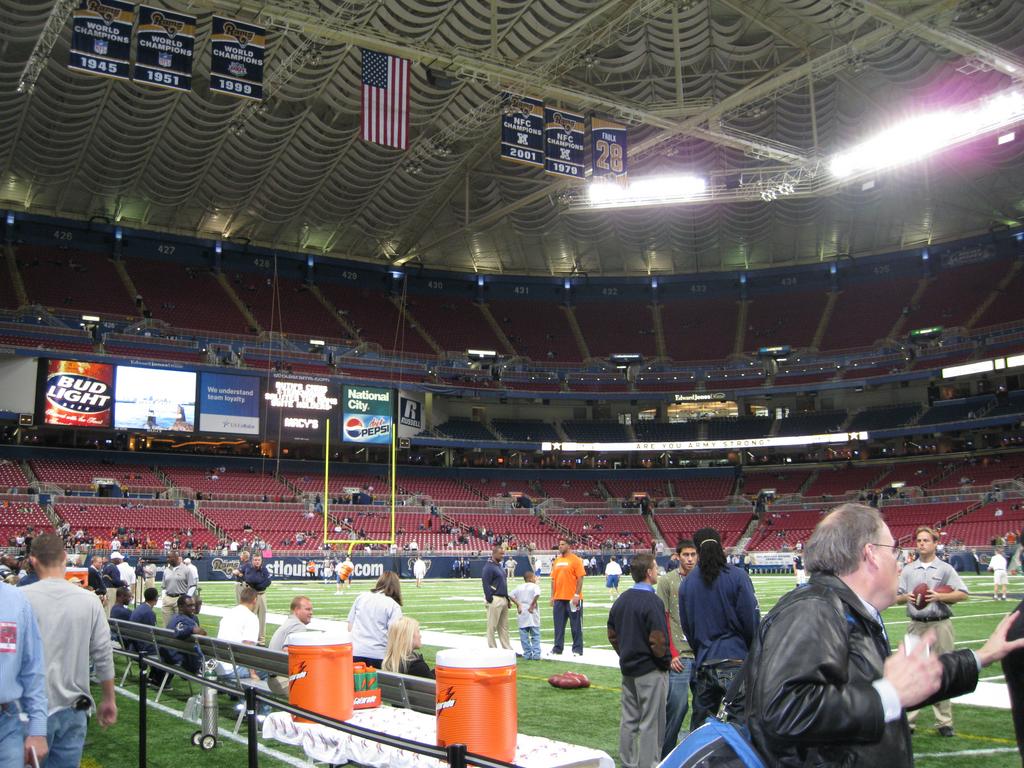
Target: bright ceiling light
{"x":653,"y":190}
{"x":926,"y":134}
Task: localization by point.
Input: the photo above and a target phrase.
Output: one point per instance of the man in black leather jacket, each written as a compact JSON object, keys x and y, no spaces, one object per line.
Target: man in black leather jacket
{"x":821,"y":686}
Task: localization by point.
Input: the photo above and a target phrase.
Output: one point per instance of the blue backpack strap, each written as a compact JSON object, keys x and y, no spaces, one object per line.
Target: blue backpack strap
{"x":738,"y":737}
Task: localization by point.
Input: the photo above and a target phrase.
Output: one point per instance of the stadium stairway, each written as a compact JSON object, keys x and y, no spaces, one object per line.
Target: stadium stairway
{"x":901,"y":321}
{"x":741,"y":327}
{"x":126,"y":280}
{"x":577,"y":333}
{"x":994,"y":294}
{"x":318,"y":295}
{"x":659,"y":332}
{"x":498,"y":331}
{"x":239,"y":304}
{"x":16,"y":281}
{"x":408,"y":317}
{"x":826,"y":317}
{"x":656,"y":535}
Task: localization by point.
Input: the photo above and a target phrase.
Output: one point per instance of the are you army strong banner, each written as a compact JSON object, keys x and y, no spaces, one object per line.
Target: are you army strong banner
{"x":164,"y":49}
{"x":101,"y":38}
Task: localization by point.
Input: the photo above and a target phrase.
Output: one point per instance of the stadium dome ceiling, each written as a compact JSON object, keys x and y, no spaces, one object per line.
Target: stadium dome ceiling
{"x":741,"y":91}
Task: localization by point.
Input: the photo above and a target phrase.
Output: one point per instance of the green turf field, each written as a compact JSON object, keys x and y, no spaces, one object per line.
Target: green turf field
{"x":590,"y":717}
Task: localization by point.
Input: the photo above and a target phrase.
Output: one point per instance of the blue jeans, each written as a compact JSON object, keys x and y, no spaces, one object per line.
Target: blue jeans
{"x":676,"y":705}
{"x":65,"y":733}
{"x":12,"y":739}
{"x":560,"y":613}
{"x":529,"y":637}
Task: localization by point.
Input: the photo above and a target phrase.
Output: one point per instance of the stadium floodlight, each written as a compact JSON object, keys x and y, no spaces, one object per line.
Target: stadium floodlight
{"x":481,"y":354}
{"x":925,"y":134}
{"x":652,"y":190}
{"x":968,"y":369}
{"x":91,"y":318}
{"x":316,"y":342}
{"x":1006,"y":138}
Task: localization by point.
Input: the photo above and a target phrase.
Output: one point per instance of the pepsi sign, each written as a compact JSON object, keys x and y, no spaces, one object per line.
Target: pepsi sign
{"x":362,"y":429}
{"x":367,"y":416}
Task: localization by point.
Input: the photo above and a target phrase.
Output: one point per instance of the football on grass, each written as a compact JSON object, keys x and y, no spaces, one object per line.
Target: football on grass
{"x":570,"y":680}
{"x":918,"y":595}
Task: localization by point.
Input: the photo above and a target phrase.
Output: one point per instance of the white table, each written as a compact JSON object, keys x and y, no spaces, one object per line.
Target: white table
{"x":330,"y":745}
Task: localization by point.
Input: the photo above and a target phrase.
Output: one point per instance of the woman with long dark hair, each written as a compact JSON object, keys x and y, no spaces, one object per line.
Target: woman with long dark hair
{"x":370,"y":617}
{"x":719,"y":615}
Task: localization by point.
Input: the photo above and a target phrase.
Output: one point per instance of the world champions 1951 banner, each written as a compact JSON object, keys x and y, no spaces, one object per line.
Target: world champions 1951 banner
{"x":164,"y":47}
{"x":101,"y":37}
{"x":237,"y":66}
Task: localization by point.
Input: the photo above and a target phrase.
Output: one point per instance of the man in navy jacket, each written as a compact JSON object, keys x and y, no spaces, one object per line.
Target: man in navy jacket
{"x":256,"y":575}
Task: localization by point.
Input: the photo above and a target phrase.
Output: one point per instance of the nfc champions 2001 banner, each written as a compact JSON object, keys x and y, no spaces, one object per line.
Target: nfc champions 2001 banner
{"x":367,"y":415}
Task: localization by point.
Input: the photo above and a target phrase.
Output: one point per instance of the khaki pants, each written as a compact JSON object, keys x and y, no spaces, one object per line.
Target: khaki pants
{"x":943,"y":630}
{"x":497,"y":622}
{"x":168,"y":607}
{"x":261,"y":614}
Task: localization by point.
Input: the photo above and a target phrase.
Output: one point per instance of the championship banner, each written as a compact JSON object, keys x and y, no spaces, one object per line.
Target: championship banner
{"x":522,"y":129}
{"x":237,"y":65}
{"x":608,"y":149}
{"x":78,"y":394}
{"x":164,"y":47}
{"x":563,"y":142}
{"x":366,"y":416}
{"x":101,"y":37}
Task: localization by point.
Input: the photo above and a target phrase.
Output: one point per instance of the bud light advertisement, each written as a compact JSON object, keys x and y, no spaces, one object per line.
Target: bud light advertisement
{"x":78,"y":394}
{"x":367,"y":416}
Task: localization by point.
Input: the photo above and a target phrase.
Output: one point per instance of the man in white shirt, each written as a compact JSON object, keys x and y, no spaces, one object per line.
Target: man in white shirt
{"x":193,"y":571}
{"x":302,"y":614}
{"x":612,"y":572}
{"x":998,"y":567}
{"x":240,"y":625}
{"x":127,"y":575}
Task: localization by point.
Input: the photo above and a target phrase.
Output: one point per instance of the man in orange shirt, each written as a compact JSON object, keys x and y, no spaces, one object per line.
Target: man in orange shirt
{"x":567,"y":572}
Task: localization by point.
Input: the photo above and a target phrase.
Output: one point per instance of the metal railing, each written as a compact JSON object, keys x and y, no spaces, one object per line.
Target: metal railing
{"x":455,"y":755}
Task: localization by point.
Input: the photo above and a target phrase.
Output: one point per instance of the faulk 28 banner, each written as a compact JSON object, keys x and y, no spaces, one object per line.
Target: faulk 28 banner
{"x":608,"y":149}
{"x":237,"y":66}
{"x":522,"y":129}
{"x":164,"y":47}
{"x":101,"y":37}
{"x":563,"y":141}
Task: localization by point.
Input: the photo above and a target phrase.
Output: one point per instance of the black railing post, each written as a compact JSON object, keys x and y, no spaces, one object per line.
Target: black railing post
{"x":143,"y":689}
{"x":457,"y":755}
{"x":253,"y":726}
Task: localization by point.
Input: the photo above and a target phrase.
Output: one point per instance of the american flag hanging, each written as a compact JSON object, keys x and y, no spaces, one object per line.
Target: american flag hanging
{"x":385,"y":100}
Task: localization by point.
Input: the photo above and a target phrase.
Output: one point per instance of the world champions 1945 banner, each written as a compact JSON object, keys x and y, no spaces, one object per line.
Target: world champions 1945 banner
{"x":164,"y":47}
{"x":237,"y":49}
{"x":101,"y":37}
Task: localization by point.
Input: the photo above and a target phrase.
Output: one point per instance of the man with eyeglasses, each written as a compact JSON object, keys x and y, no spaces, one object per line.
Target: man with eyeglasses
{"x":822,"y":685}
{"x":935,"y":616}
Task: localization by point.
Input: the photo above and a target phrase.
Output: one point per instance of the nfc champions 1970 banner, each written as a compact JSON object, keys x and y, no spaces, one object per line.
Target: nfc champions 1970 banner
{"x":563,"y":143}
{"x":164,"y":48}
{"x":237,"y":66}
{"x":101,"y":37}
{"x":522,"y":129}
{"x":367,"y":415}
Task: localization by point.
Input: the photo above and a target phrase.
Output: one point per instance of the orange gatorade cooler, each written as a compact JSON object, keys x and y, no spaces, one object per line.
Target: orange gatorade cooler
{"x":320,"y":673}
{"x":476,"y":701}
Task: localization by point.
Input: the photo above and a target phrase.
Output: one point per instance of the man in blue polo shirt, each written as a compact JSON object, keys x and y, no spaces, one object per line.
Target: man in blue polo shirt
{"x":22,"y":681}
{"x":638,"y":631}
{"x":495,"y":585}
